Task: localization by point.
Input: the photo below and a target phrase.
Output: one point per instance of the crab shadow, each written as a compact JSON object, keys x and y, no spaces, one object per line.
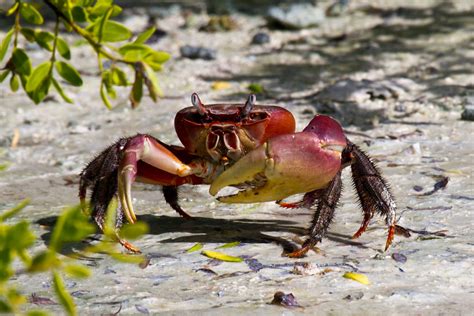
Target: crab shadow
{"x":211,"y":230}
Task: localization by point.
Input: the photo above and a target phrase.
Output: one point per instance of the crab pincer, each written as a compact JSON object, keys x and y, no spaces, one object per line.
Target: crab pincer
{"x":286,"y":165}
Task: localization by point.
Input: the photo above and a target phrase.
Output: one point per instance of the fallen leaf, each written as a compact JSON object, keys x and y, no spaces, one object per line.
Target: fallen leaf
{"x":221,"y":256}
{"x":220,"y":85}
{"x":361,"y":278}
{"x":196,"y":247}
{"x":229,"y":245}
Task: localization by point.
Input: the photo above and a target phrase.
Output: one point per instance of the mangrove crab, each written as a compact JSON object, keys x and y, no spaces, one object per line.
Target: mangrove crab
{"x":252,"y":147}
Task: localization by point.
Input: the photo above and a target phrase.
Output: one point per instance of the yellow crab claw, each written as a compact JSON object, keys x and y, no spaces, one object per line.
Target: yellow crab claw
{"x":284,"y":166}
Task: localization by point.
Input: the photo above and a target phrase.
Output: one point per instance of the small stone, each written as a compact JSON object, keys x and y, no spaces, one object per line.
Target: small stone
{"x":197,"y":52}
{"x":468,"y":113}
{"x":260,"y":38}
{"x":354,"y":297}
{"x":418,"y":188}
{"x":398,"y":257}
{"x":287,"y":300}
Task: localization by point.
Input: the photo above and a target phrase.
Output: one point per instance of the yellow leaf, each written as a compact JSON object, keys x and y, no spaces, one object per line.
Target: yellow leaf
{"x":361,"y":278}
{"x":196,"y":247}
{"x":221,"y":256}
{"x":220,"y":85}
{"x":229,"y":245}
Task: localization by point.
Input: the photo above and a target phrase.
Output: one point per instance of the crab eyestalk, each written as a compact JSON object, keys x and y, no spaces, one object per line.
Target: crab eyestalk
{"x":248,"y":107}
{"x":198,"y":105}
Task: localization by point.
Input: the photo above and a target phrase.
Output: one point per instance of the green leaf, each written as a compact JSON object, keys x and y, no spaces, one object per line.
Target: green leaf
{"x":69,"y":73}
{"x":64,"y":297}
{"x":102,"y":6}
{"x":72,"y":226}
{"x":29,"y":34}
{"x":143,"y":37}
{"x":37,"y":313}
{"x":151,"y":81}
{"x":12,"y":9}
{"x":119,"y":78}
{"x":79,"y":14}
{"x":6,"y":259}
{"x":110,"y":219}
{"x":30,"y":14}
{"x":63,"y":48}
{"x":4,"y":75}
{"x":107,"y":80}
{"x":44,"y":39}
{"x":196,"y":247}
{"x":112,"y":31}
{"x":13,"y":211}
{"x":21,"y":61}
{"x":39,"y":81}
{"x":61,"y":92}
{"x":5,"y":307}
{"x":256,"y":88}
{"x":135,"y":52}
{"x":103,"y":96}
{"x":157,"y":57}
{"x":137,"y":89}
{"x":133,"y":231}
{"x":14,"y":83}
{"x":77,"y":271}
{"x":5,"y":43}
{"x":19,"y":236}
{"x":126,"y":258}
{"x":44,"y":261}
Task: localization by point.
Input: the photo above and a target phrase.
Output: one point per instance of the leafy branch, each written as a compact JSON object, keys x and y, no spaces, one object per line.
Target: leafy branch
{"x":71,"y":226}
{"x":91,"y":20}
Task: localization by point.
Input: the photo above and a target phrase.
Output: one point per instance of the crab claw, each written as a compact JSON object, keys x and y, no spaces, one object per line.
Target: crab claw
{"x":286,"y":165}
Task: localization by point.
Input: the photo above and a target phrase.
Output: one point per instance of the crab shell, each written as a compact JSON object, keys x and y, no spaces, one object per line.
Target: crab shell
{"x":224,"y":133}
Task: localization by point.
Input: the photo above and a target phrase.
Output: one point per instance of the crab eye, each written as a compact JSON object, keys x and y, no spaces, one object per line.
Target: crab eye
{"x":248,"y":105}
{"x":198,"y":104}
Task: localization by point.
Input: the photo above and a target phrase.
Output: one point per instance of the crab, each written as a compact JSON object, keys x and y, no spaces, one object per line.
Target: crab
{"x":251,"y":147}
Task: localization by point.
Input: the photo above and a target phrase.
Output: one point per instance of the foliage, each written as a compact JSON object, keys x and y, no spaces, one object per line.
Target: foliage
{"x":111,"y":41}
{"x":72,"y":226}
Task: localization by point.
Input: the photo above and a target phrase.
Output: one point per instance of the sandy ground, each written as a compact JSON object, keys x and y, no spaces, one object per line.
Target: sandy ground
{"x":406,"y":75}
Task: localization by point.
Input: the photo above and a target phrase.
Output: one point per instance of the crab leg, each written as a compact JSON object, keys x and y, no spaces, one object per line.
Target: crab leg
{"x":374,"y":193}
{"x":322,"y":217}
{"x":149,"y":150}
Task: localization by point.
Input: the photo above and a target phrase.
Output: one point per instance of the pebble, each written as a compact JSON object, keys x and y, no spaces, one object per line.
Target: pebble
{"x":197,"y":52}
{"x":287,"y":300}
{"x":398,"y":257}
{"x":354,"y":297}
{"x":260,"y":38}
{"x":468,"y":113}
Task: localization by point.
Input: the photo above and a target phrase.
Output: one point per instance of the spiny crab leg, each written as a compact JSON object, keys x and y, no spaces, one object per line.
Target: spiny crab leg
{"x":372,"y":190}
{"x":322,"y":217}
{"x":149,"y":150}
